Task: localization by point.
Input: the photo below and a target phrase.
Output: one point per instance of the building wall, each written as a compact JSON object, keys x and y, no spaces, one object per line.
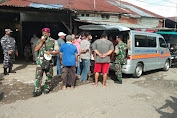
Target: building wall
{"x":141,"y":21}
{"x":124,"y":19}
{"x":97,"y":17}
{"x":153,"y":22}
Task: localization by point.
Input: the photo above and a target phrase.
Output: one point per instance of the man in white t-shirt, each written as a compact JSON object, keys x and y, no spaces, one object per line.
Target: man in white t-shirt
{"x":33,"y":42}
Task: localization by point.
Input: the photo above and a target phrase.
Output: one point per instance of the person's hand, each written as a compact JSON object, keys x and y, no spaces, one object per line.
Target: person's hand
{"x":16,"y":53}
{"x":128,"y":41}
{"x":76,"y":63}
{"x":100,"y":55}
{"x":104,"y":55}
{"x":61,"y":63}
{"x":9,"y":52}
{"x":43,"y":39}
{"x":47,"y":52}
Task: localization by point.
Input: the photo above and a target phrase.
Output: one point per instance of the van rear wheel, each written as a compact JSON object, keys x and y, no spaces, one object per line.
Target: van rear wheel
{"x":167,"y":65}
{"x":138,"y":70}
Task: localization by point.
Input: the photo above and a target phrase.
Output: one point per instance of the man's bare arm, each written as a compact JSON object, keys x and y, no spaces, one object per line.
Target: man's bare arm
{"x":53,"y":53}
{"x":76,"y":60}
{"x":108,"y":53}
{"x":98,"y":53}
{"x":61,"y":55}
{"x":83,"y":51}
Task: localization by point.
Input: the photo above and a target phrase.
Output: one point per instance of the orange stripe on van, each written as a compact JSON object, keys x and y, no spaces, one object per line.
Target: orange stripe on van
{"x":148,"y":56}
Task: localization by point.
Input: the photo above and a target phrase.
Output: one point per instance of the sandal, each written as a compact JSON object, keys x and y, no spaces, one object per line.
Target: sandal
{"x":105,"y":85}
{"x":63,"y":88}
{"x":95,"y":85}
{"x":72,"y":87}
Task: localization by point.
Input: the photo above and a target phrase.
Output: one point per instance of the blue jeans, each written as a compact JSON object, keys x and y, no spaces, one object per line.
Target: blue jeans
{"x":85,"y":70}
{"x":78,"y":69}
{"x":58,"y":66}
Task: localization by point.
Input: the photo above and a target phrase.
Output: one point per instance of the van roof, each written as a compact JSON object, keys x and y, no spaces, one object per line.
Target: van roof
{"x":103,"y":27}
{"x":147,"y":33}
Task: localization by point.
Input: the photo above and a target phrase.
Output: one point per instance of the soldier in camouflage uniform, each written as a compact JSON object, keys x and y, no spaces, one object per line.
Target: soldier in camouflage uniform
{"x":49,"y":46}
{"x":120,"y":51}
{"x":9,"y":50}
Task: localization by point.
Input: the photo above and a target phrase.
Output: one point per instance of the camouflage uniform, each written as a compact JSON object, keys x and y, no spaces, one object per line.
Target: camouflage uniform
{"x":8,"y":44}
{"x":120,"y":59}
{"x":51,"y":45}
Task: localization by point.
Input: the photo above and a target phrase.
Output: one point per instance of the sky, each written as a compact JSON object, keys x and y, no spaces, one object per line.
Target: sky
{"x":166,"y":8}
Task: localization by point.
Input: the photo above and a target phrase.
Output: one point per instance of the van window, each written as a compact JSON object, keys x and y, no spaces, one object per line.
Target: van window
{"x":141,"y":41}
{"x":162,"y":43}
{"x":152,"y":41}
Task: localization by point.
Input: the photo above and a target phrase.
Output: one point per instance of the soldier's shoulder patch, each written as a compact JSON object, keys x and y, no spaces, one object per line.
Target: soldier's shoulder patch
{"x":53,"y":40}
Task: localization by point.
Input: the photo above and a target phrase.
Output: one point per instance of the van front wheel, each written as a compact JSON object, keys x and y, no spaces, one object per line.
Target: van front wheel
{"x":138,"y":70}
{"x":166,"y":66}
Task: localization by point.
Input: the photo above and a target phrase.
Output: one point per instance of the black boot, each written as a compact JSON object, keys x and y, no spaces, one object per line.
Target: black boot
{"x":35,"y":94}
{"x":119,"y":81}
{"x":11,"y":71}
{"x":46,"y":91}
{"x":5,"y":71}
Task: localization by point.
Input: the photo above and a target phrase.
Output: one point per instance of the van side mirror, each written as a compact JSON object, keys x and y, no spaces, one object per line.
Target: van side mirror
{"x":164,"y":45}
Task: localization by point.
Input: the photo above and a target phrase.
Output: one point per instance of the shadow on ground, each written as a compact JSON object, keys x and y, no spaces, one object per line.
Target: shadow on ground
{"x":1,"y":95}
{"x":169,"y":109}
{"x":55,"y":81}
{"x":20,"y":67}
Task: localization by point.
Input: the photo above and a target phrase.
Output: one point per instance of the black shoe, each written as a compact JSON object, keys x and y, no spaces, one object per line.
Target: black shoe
{"x":35,"y":94}
{"x":46,"y":91}
{"x":5,"y":71}
{"x":11,"y":71}
{"x":118,"y":82}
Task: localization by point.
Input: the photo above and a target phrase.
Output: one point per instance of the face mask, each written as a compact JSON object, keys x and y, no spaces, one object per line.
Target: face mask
{"x":10,"y":34}
{"x":72,"y":37}
{"x":90,"y":37}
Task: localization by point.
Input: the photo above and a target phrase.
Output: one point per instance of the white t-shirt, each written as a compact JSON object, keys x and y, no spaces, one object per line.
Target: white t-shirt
{"x":34,"y":41}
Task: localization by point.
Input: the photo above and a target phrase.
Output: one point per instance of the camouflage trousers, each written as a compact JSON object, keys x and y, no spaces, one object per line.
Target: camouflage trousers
{"x":118,"y":71}
{"x":8,"y":59}
{"x":39,"y":76}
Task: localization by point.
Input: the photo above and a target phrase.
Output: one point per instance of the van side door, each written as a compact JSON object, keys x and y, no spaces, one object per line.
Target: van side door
{"x":162,"y":51}
{"x":146,"y":51}
{"x":152,"y":53}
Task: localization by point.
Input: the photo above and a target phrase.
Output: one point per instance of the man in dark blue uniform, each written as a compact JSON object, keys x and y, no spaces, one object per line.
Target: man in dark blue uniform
{"x":8,"y":47}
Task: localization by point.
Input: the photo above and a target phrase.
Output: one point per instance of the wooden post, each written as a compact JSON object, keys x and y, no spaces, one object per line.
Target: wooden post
{"x":71,"y":25}
{"x":21,"y":33}
{"x":69,"y":31}
{"x":75,"y":27}
{"x":164,"y":23}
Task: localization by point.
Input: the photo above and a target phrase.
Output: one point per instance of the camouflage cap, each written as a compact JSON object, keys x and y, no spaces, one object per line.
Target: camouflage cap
{"x":8,"y":30}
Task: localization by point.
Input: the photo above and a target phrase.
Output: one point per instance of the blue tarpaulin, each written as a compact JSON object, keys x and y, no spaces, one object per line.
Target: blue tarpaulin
{"x":50,"y":6}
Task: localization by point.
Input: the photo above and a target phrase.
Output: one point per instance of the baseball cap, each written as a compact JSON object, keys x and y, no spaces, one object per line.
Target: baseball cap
{"x":61,"y":34}
{"x":8,"y":30}
{"x":46,"y":30}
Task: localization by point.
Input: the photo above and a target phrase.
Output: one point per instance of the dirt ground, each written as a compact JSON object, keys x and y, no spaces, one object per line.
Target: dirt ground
{"x":154,"y":95}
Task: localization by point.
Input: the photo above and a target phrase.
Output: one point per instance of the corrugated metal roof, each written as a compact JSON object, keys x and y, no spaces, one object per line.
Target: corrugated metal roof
{"x":85,"y":5}
{"x":173,"y":18}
